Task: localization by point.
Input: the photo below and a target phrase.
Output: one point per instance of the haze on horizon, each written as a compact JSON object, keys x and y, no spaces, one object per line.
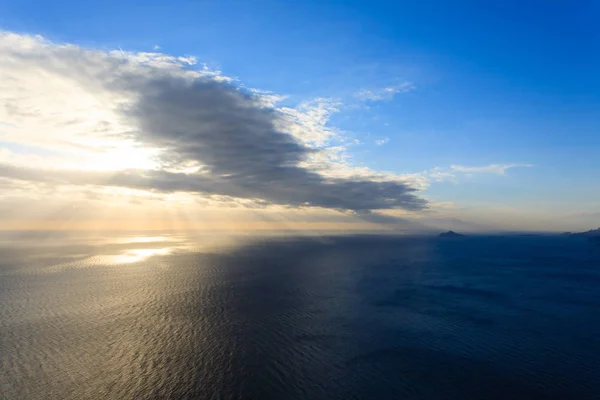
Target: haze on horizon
{"x":307,"y":117}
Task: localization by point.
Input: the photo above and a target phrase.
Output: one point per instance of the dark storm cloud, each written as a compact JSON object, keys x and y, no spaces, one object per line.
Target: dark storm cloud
{"x":236,"y":141}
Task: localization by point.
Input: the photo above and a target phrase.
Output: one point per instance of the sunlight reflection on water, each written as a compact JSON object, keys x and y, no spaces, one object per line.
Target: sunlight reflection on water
{"x":136,"y":255}
{"x":115,"y":251}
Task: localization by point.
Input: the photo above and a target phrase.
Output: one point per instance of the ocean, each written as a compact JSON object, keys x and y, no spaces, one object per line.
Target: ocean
{"x":174,"y":316}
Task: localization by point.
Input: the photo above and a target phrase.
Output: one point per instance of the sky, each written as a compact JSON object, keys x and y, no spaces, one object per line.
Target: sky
{"x":314,"y":115}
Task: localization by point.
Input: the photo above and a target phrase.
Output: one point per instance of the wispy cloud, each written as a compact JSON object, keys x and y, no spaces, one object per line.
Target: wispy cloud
{"x":455,"y":172}
{"x":381,"y":142}
{"x":498,"y":169}
{"x":384,"y":94}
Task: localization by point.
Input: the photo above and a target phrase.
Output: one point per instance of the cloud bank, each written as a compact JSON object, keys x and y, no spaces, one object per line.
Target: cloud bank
{"x":202,"y":132}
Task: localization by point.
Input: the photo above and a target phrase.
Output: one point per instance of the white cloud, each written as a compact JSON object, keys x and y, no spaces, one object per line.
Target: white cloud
{"x":381,"y":142}
{"x":308,"y":122}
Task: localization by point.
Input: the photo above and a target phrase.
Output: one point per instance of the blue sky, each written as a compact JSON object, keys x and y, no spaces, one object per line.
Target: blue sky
{"x":514,"y":82}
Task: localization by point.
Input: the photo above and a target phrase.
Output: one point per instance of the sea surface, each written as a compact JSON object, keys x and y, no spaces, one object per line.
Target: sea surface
{"x":174,"y":316}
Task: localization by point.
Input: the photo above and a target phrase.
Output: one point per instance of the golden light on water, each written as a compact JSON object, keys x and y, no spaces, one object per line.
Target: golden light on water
{"x":120,"y":251}
{"x":144,"y":239}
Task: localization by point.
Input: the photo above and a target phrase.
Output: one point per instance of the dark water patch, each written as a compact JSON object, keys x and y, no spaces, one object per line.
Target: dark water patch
{"x":574,"y":276}
{"x":469,"y":291}
{"x":396,"y":370}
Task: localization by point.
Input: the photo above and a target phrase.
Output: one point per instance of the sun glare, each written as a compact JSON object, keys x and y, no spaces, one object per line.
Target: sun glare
{"x":124,"y":156}
{"x":144,"y":239}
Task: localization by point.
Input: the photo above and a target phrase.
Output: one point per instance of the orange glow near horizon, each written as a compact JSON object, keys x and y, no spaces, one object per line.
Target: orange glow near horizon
{"x":170,"y":225}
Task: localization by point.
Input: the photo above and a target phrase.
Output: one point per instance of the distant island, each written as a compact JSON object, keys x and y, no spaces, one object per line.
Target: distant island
{"x":590,"y":233}
{"x":593,"y":235}
{"x":450,"y":234}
